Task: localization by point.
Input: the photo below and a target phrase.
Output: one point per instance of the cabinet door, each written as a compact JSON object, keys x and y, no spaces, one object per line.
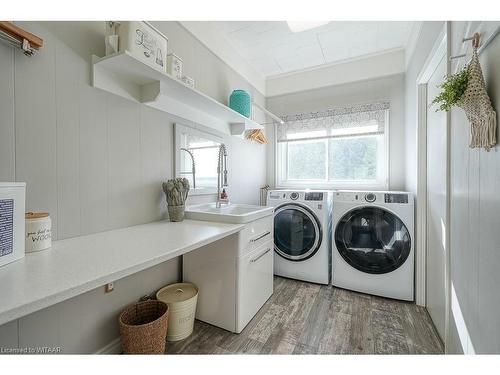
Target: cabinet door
{"x":255,"y":283}
{"x":212,"y":268}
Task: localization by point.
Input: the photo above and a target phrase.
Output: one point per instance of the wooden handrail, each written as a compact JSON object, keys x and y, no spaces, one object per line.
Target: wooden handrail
{"x":20,"y":34}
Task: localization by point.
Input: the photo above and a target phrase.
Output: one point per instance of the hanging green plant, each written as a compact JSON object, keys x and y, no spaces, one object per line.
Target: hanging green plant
{"x":453,"y":89}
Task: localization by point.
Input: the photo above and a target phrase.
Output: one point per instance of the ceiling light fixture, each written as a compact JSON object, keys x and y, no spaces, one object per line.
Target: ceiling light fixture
{"x":298,"y":26}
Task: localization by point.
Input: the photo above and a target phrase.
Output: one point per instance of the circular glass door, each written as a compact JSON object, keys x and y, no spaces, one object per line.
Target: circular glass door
{"x":372,"y":240}
{"x":297,"y":232}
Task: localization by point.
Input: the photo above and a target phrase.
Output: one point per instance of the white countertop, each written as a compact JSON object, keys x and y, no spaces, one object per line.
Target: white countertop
{"x":77,"y":265}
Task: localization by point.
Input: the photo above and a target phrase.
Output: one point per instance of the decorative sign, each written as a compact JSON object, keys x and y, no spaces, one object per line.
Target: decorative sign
{"x":6,"y":226}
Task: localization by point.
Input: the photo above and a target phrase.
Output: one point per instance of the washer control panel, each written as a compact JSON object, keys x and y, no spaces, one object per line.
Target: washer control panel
{"x":370,"y":197}
{"x":395,"y":198}
{"x":298,"y":195}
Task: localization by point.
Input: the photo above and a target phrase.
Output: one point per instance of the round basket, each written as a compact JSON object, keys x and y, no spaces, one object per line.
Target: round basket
{"x":143,"y":327}
{"x":181,"y":299}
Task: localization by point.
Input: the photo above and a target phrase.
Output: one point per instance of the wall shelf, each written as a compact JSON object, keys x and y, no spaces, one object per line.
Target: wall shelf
{"x":124,"y":75}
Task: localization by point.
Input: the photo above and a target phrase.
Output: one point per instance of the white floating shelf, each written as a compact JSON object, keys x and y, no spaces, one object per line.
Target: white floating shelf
{"x":124,"y":75}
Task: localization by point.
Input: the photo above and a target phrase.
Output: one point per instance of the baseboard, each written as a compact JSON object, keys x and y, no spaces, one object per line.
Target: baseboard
{"x":114,"y":347}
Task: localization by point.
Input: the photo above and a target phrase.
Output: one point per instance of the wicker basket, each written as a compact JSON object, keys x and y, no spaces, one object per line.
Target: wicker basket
{"x":143,"y":327}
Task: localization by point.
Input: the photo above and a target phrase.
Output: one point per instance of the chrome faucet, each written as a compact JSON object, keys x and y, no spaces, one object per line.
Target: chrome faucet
{"x":193,"y":166}
{"x":221,"y":176}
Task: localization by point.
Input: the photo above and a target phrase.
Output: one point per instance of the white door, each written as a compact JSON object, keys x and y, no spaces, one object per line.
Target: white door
{"x":436,"y":203}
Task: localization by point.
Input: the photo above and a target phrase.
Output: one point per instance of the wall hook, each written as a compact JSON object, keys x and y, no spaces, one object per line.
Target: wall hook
{"x":476,"y":40}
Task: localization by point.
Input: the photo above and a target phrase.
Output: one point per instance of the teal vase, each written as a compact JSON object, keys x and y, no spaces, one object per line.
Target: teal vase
{"x":240,"y":102}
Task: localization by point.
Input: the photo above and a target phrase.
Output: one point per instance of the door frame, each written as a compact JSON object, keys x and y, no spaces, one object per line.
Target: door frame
{"x":440,"y":50}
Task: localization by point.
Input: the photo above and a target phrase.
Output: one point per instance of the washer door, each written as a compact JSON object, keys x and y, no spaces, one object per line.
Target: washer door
{"x":372,"y":240}
{"x":297,"y":232}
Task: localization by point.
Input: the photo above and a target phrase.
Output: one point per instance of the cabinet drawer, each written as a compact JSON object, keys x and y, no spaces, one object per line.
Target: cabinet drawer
{"x":256,"y":233}
{"x":255,"y":282}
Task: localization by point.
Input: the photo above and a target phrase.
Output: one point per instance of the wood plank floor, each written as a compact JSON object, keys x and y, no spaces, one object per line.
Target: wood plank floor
{"x":304,"y":318}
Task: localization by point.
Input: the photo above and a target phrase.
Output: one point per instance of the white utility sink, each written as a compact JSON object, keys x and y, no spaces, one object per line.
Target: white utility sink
{"x":232,"y":213}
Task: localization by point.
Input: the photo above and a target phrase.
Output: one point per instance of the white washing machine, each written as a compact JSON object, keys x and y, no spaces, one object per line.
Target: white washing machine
{"x":302,"y":234}
{"x":373,"y":243}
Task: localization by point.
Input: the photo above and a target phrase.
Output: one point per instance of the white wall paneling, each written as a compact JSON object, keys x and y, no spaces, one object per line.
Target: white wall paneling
{"x":474,"y":184}
{"x":93,"y":156}
{"x":474,"y":211}
{"x":35,"y":121}
{"x":70,"y":74}
{"x":7,"y":128}
{"x":8,"y":335}
{"x":124,"y":163}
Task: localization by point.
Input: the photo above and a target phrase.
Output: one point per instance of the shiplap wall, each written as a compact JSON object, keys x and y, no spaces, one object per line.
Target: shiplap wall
{"x":96,"y":161}
{"x":475,"y":222}
{"x":474,"y":206}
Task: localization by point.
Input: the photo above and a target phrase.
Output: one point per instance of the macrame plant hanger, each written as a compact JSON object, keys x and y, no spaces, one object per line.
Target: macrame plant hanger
{"x":477,"y":104}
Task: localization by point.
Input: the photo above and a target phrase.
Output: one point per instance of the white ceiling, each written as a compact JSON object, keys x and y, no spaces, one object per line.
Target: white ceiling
{"x":271,"y":48}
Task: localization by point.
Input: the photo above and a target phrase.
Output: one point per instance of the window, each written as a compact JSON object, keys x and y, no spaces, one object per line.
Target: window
{"x":337,"y":148}
{"x":198,"y":149}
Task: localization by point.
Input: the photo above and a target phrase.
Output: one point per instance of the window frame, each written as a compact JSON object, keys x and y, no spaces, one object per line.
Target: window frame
{"x":382,"y":184}
{"x":179,"y":130}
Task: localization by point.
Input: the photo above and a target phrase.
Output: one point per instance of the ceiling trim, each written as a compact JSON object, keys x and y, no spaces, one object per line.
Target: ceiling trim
{"x":215,"y":41}
{"x":352,"y":70}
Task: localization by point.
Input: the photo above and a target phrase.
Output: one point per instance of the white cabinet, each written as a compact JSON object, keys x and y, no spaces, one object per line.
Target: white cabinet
{"x":234,"y":275}
{"x":255,"y":283}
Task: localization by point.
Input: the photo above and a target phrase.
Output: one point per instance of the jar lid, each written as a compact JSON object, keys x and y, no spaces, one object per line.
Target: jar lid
{"x":35,"y":215}
{"x":179,"y":292}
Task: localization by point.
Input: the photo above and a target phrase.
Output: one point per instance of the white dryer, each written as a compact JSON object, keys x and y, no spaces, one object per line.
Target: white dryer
{"x":302,"y":234}
{"x":373,"y":243}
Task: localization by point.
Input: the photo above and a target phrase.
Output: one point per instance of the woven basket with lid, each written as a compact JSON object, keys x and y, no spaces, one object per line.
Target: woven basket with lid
{"x":143,"y":327}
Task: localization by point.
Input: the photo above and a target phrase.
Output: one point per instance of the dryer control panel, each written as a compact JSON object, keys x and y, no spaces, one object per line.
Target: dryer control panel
{"x":313,"y":196}
{"x":373,"y":197}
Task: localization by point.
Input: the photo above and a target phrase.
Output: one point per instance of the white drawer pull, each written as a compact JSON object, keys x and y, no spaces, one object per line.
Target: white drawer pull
{"x":260,"y":237}
{"x":260,"y":256}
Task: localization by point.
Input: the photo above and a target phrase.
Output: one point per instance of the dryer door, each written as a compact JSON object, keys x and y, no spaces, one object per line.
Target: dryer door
{"x":372,"y":240}
{"x":297,"y":232}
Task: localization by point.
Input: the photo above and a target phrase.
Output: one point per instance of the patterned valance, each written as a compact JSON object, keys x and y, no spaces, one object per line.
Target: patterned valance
{"x":359,"y":119}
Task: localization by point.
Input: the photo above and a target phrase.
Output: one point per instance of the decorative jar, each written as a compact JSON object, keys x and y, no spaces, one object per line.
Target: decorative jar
{"x":240,"y":102}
